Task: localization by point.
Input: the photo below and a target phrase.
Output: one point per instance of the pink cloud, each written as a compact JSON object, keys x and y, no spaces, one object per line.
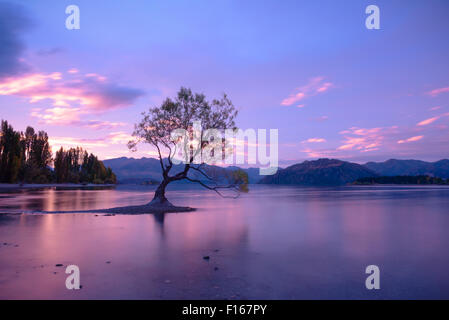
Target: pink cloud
{"x":323,"y":153}
{"x":91,"y":93}
{"x":71,"y":116}
{"x":293,"y":98}
{"x":363,"y":139}
{"x":325,"y":87}
{"x":314,"y":140}
{"x":57,"y":115}
{"x":311,"y":153}
{"x":427,"y":121}
{"x":313,"y":87}
{"x":412,"y":139}
{"x":114,"y":138}
{"x":99,"y":125}
{"x":108,"y":146}
{"x":431,"y":120}
{"x":321,"y":118}
{"x":438,"y":91}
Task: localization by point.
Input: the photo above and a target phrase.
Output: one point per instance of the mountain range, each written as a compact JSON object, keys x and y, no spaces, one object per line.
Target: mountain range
{"x":148,"y":170}
{"x":394,"y":167}
{"x":321,"y":172}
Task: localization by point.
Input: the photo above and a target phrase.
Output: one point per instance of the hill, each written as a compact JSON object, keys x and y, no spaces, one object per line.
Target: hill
{"x":144,"y":170}
{"x":322,"y":172}
{"x":395,"y":167}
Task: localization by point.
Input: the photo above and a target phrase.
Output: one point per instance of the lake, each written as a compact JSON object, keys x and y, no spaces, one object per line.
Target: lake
{"x":275,"y":242}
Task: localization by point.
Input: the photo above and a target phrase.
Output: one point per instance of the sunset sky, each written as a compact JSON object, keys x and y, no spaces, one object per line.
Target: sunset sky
{"x":308,"y":68}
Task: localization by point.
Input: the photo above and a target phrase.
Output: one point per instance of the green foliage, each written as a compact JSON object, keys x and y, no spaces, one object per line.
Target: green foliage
{"x":26,"y":157}
{"x":240,"y":178}
{"x":77,"y":166}
{"x":10,"y":153}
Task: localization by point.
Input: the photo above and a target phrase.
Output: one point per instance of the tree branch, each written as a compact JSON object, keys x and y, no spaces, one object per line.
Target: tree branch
{"x":217,"y":188}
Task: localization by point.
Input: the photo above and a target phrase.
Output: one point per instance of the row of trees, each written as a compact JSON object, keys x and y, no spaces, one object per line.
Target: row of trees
{"x":77,"y":166}
{"x":402,"y":180}
{"x":27,"y":157}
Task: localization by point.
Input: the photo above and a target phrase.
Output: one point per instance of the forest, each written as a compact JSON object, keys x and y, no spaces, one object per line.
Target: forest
{"x":26,"y":157}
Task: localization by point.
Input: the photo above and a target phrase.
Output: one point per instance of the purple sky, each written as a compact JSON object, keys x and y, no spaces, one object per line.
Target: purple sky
{"x":308,"y":68}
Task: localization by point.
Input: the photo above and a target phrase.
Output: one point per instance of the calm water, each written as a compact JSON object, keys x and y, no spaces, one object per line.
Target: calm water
{"x":273,"y":243}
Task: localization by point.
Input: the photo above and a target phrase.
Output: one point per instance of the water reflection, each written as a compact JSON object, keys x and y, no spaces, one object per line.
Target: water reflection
{"x":273,"y":243}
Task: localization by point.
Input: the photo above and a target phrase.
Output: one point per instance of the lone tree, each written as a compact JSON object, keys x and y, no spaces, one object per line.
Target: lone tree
{"x":184,"y":113}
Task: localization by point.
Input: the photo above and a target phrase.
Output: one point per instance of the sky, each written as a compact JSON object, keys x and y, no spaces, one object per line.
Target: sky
{"x":310,"y":69}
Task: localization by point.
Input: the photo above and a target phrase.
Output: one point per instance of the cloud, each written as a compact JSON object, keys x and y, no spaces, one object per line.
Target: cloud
{"x":71,"y":116}
{"x":71,"y":96}
{"x":69,"y":142}
{"x":315,"y":86}
{"x":364,"y":139}
{"x":91,"y":92}
{"x":57,"y":115}
{"x":100,"y":125}
{"x":14,"y":21}
{"x":427,"y":121}
{"x":314,"y":140}
{"x":438,"y":91}
{"x":321,"y":118}
{"x":114,"y":138}
{"x":293,"y":98}
{"x":324,"y":153}
{"x":412,"y":139}
{"x":382,"y":142}
{"x":119,"y":137}
{"x":431,"y":120}
{"x":108,"y":146}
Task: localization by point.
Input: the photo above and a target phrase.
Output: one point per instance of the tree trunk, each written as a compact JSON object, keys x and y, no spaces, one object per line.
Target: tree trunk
{"x":159,"y":196}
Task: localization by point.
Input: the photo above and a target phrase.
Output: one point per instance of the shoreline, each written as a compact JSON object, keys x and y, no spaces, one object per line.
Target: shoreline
{"x":18,"y":186}
{"x":129,"y":210}
{"x":126,"y":210}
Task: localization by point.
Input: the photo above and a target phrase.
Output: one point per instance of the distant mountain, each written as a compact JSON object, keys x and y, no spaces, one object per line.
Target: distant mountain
{"x":130,"y":170}
{"x":395,"y":167}
{"x":322,"y":172}
{"x":319,"y":172}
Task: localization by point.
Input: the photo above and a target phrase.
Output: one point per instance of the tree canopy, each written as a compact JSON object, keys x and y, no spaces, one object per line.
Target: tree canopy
{"x":193,"y":114}
{"x":27,"y":157}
